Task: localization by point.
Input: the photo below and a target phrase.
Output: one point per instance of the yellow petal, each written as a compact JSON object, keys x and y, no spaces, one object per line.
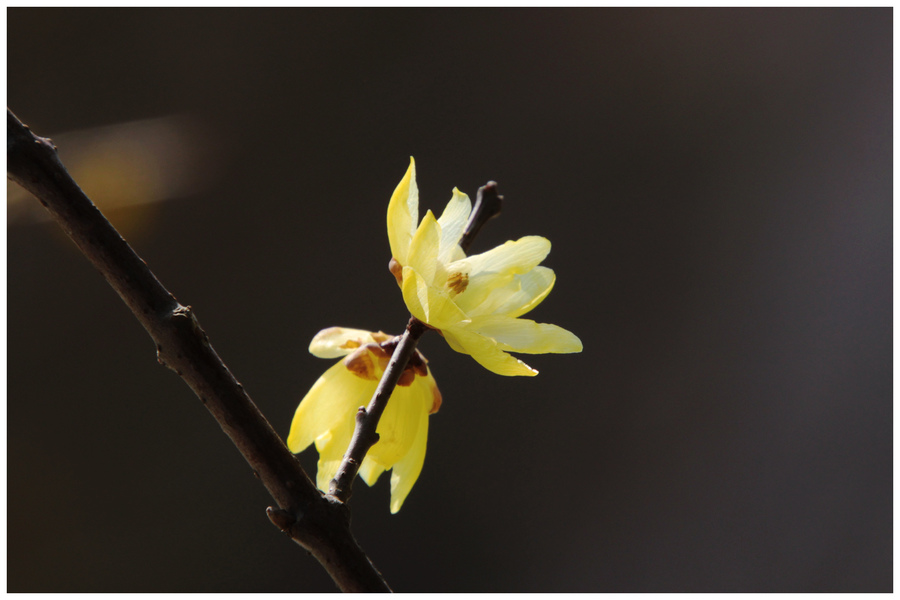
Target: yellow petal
{"x":406,"y":471}
{"x":519,"y":256}
{"x":329,"y":462}
{"x":488,"y":353}
{"x":325,"y":472}
{"x":370,"y":470}
{"x":400,"y":422}
{"x":517,"y":296}
{"x":456,"y":253}
{"x":403,"y":214}
{"x":423,"y":251}
{"x":415,"y":294}
{"x":496,"y":274}
{"x":428,"y":304}
{"x":331,"y":401}
{"x":453,"y":222}
{"x":522,"y":335}
{"x":339,"y":341}
{"x":530,"y":290}
{"x":331,"y":446}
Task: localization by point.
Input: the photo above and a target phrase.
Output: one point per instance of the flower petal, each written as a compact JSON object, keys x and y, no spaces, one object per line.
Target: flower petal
{"x":423,"y":250}
{"x":331,"y":447}
{"x":370,"y":470}
{"x":428,"y":304}
{"x":399,"y":423}
{"x":406,"y":471}
{"x":415,"y":294}
{"x":339,"y":341}
{"x":331,"y":401}
{"x":519,"y":256}
{"x":403,"y":214}
{"x":453,"y":222}
{"x":487,"y":353}
{"x":522,"y":335}
{"x":520,"y":294}
{"x":532,"y":288}
{"x":330,"y":458}
{"x":492,"y":275}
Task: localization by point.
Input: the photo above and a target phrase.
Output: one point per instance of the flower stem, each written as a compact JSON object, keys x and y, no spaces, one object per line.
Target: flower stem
{"x":365,"y":435}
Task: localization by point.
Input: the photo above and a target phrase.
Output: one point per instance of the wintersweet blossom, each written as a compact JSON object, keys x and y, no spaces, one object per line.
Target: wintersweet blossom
{"x":326,"y":416}
{"x":474,"y":301}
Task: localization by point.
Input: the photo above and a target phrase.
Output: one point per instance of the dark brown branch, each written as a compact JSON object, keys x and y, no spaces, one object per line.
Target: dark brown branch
{"x":313,"y":520}
{"x":365,"y":436}
{"x":487,"y":206}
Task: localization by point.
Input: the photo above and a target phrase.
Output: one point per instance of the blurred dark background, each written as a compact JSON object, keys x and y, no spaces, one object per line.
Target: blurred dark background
{"x":717,"y":185}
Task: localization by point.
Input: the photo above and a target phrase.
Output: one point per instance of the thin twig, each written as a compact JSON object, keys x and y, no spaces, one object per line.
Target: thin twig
{"x":487,"y":206}
{"x":313,"y":520}
{"x":365,"y":436}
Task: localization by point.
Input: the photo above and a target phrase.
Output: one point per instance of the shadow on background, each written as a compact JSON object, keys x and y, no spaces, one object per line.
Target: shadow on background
{"x":717,"y":185}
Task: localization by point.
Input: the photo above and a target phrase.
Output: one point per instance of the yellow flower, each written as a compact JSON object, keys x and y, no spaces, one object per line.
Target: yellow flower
{"x":474,"y":301}
{"x":327,"y":415}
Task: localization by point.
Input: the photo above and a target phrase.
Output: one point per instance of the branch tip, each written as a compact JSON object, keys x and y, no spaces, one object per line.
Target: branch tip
{"x":488,"y":205}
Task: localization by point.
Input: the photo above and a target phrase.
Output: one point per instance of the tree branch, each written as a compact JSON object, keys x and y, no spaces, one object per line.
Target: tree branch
{"x":316,"y":522}
{"x":487,"y":206}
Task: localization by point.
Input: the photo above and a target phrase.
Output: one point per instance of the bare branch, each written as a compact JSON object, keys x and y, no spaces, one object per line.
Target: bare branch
{"x":487,"y":206}
{"x":313,"y":520}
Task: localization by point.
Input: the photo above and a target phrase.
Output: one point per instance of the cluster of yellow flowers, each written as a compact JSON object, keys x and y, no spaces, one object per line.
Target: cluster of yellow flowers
{"x":474,"y":301}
